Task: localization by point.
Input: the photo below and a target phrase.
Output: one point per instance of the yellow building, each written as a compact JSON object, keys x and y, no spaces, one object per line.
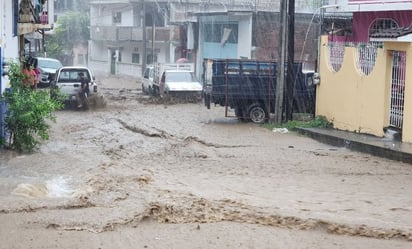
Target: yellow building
{"x":366,"y":87}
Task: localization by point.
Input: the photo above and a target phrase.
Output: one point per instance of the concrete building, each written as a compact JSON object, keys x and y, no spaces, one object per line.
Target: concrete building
{"x":366,"y":81}
{"x":127,"y":35}
{"x":192,"y":29}
{"x":19,"y":19}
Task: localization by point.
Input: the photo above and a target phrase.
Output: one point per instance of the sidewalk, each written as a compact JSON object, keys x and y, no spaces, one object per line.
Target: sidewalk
{"x":377,"y":146}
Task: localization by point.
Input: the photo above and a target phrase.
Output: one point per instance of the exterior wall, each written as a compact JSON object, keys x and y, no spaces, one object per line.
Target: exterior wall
{"x":8,"y":42}
{"x":363,"y":20}
{"x":369,"y":5}
{"x":80,"y":55}
{"x":352,"y":101}
{"x":266,"y":36}
{"x":103,"y":16}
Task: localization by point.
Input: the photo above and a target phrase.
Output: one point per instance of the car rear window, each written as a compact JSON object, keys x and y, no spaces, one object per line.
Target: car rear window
{"x":72,"y":75}
{"x":180,"y":77}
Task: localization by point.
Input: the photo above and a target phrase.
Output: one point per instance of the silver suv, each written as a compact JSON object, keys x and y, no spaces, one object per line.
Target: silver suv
{"x":47,"y":67}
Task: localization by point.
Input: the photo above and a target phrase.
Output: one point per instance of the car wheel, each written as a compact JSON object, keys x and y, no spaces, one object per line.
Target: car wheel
{"x":257,"y":113}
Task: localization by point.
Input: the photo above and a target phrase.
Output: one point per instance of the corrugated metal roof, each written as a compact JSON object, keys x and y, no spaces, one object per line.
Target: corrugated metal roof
{"x":392,"y":33}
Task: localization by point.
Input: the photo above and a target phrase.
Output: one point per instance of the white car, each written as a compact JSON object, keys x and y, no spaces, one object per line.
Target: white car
{"x":67,"y":80}
{"x":147,"y":82}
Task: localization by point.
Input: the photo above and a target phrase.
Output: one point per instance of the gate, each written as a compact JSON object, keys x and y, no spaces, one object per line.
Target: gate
{"x":397,"y":89}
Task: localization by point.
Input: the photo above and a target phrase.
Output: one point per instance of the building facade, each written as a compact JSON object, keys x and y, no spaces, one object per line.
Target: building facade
{"x":365,"y":75}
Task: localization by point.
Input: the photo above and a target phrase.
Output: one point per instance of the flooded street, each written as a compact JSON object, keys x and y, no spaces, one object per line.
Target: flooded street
{"x":148,"y":173}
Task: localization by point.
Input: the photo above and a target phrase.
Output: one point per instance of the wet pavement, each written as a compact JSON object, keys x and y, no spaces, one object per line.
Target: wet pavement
{"x":377,"y":146}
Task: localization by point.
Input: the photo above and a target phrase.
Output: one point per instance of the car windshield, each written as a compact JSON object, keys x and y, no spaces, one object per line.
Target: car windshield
{"x":72,"y":75}
{"x":180,"y":77}
{"x":49,"y":64}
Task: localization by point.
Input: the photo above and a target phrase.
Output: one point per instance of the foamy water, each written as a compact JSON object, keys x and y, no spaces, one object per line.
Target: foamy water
{"x":57,"y":187}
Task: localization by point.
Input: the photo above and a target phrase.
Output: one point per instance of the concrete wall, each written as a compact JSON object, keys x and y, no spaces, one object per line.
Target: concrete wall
{"x":8,"y":42}
{"x":357,"y":102}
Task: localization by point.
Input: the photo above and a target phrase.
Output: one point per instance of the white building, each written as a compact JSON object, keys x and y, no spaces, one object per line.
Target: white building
{"x":118,"y":42}
{"x":8,"y":40}
{"x":15,"y":24}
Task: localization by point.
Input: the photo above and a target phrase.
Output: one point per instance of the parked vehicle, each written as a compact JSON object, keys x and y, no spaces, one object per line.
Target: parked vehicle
{"x":147,"y":82}
{"x":48,"y":68}
{"x":249,"y":87}
{"x":176,"y":79}
{"x":68,"y":82}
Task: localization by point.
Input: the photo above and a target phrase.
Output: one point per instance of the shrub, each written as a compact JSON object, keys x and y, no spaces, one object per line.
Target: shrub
{"x":28,"y":111}
{"x":319,"y":122}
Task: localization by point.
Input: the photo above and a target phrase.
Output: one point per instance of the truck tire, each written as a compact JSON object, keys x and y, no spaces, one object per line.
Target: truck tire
{"x":257,"y":113}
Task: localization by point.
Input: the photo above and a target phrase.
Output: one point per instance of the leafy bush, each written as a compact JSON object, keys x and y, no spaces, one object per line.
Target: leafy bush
{"x":318,"y":122}
{"x":27,"y":112}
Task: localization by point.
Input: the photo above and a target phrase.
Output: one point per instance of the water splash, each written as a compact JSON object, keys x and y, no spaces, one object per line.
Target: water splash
{"x":57,"y":187}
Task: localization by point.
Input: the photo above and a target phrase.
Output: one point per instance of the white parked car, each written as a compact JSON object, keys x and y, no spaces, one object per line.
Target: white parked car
{"x":67,"y":80}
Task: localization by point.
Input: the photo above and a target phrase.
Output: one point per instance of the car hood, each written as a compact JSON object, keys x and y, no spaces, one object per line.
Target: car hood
{"x":48,"y":70}
{"x":183,"y":86}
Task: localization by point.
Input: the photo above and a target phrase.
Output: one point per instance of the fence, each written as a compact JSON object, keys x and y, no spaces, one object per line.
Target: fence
{"x":365,"y":55}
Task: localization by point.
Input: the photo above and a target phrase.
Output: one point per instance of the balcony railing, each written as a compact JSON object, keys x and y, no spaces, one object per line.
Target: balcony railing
{"x":32,"y":17}
{"x":112,"y":33}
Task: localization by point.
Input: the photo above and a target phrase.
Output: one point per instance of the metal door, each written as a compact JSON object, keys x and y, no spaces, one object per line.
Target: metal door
{"x":397,"y":89}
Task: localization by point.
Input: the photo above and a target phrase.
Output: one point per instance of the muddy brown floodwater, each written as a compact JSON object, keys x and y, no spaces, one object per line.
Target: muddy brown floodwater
{"x":148,"y":173}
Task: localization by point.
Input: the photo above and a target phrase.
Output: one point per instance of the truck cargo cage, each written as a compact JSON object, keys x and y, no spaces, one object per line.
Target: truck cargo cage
{"x":249,"y":87}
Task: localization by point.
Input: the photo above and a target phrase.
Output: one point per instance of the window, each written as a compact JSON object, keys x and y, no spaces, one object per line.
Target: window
{"x":117,"y":17}
{"x":227,"y":33}
{"x":151,"y":59}
{"x":382,"y":24}
{"x":135,"y":58}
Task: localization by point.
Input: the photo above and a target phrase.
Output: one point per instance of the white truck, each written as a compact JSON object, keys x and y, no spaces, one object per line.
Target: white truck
{"x":176,"y":79}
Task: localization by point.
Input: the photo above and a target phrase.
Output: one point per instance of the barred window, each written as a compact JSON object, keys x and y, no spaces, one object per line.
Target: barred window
{"x":382,"y":24}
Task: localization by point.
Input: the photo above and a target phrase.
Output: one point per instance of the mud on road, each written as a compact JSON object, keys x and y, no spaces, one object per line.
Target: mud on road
{"x":162,"y":171}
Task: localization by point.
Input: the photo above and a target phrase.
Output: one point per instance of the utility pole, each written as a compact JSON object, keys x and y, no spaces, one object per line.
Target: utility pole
{"x":280,"y":85}
{"x":291,"y":71}
{"x":144,"y":52}
{"x":153,"y":36}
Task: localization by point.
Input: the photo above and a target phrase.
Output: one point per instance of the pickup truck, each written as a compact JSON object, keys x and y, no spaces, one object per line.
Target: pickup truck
{"x":147,"y":82}
{"x":176,"y":79}
{"x":67,"y":80}
{"x":249,"y":87}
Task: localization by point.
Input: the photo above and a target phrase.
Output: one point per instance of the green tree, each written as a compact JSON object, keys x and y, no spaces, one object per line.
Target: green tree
{"x":70,"y":29}
{"x":28,"y":111}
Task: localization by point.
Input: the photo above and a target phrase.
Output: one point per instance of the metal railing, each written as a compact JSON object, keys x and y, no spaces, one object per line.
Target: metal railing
{"x":366,"y":56}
